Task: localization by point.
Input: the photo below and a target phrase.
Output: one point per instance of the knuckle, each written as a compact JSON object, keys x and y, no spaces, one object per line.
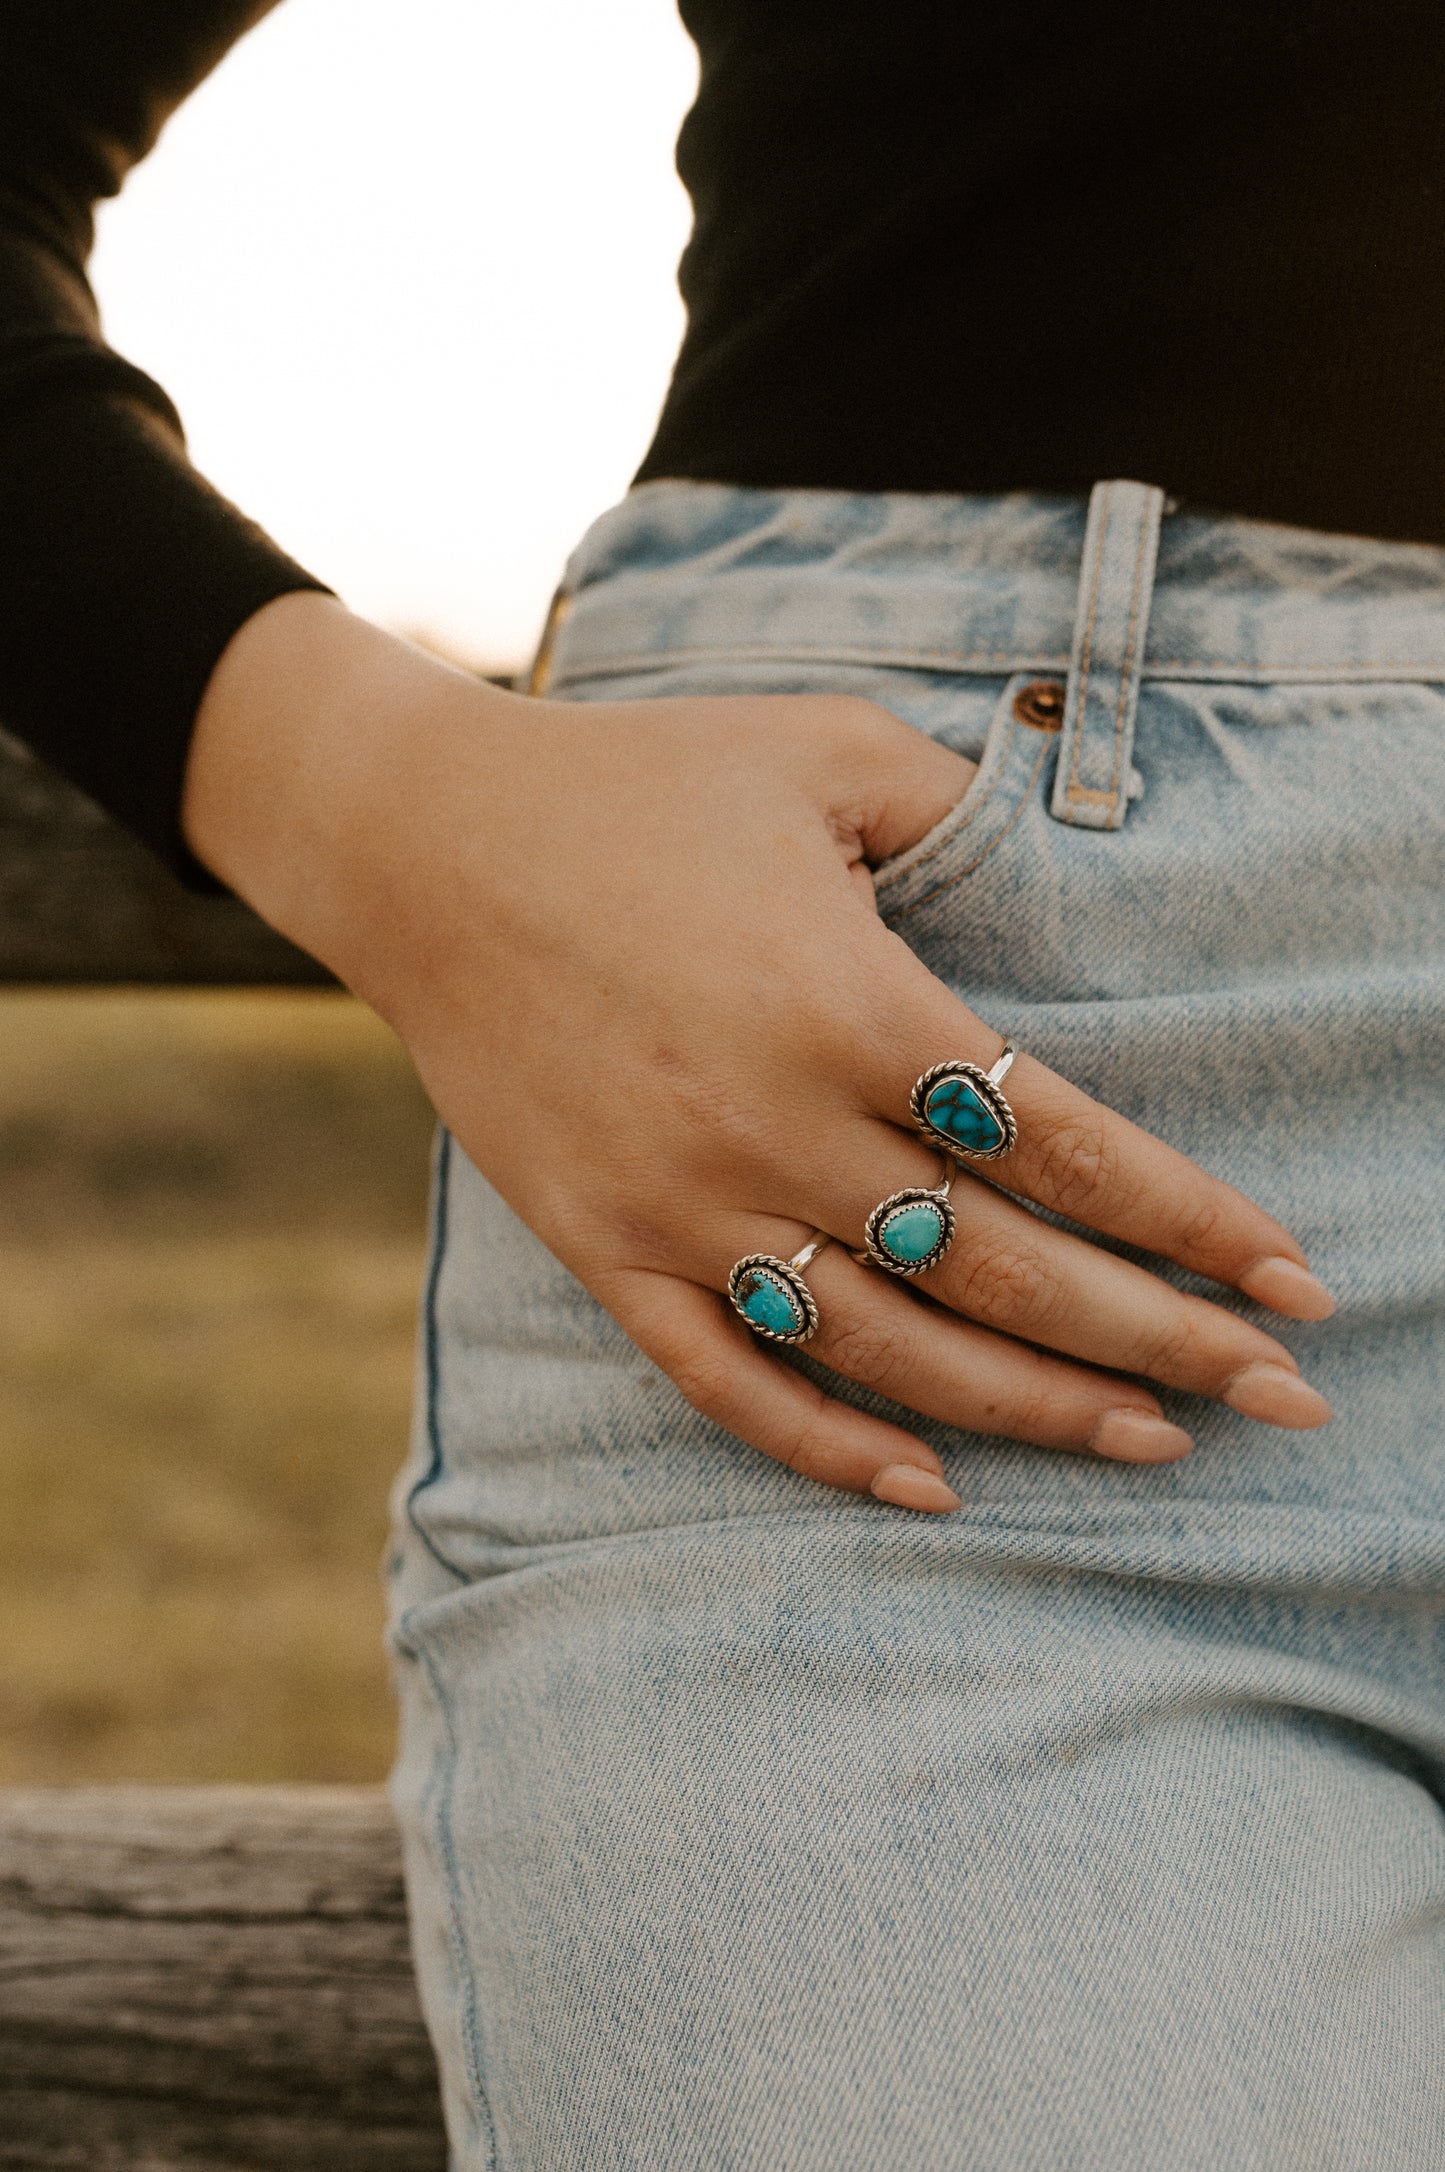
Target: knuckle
{"x":1026,"y":1406}
{"x":644,"y":1239}
{"x":703,"y":1380}
{"x":823,"y":1019}
{"x":1169,"y":1352}
{"x":1034,"y":1412}
{"x":876,"y":1352}
{"x":812,"y":1451}
{"x":1003,"y":1287}
{"x":1078,"y":1164}
{"x":720,"y":1125}
{"x":1201,"y":1229}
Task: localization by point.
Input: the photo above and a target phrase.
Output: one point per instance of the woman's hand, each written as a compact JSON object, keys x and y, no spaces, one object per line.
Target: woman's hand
{"x":633,"y":951}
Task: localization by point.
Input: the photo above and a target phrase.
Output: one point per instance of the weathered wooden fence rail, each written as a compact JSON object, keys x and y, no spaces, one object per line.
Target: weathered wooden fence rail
{"x":209,"y":1979}
{"x":80,"y":901}
{"x":191,"y":1979}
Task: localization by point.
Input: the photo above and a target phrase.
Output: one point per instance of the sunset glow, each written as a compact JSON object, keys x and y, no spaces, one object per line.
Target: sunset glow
{"x":408,"y":272}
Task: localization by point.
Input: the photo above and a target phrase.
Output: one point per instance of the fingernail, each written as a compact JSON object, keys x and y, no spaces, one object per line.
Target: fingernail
{"x":1132,"y":1436}
{"x":1276,"y":1397}
{"x":908,"y":1487}
{"x":1286,"y":1287}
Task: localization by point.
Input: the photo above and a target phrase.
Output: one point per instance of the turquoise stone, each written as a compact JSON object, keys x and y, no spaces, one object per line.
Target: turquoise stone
{"x":956,"y":1108}
{"x":766,"y":1302}
{"x":911,"y":1233}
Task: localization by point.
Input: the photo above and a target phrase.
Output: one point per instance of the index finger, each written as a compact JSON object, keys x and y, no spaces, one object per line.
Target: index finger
{"x":1081,"y":1159}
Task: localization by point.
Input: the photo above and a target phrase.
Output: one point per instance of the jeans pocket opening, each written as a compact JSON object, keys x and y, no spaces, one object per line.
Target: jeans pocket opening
{"x":1019,"y":740}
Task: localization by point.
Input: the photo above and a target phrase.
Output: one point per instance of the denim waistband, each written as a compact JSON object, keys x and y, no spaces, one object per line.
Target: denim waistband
{"x":987,"y":585}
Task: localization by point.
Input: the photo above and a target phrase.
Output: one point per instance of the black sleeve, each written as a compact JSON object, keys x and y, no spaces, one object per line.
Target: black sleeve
{"x":122,"y":573}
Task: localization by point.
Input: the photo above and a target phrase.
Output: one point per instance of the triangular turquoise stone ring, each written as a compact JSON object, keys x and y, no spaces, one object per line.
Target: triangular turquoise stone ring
{"x":909,"y":1232}
{"x":960,"y":1107}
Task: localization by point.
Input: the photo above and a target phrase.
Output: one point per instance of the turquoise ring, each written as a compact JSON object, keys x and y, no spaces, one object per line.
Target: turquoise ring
{"x":909,"y":1231}
{"x":959,"y":1106}
{"x":772,"y":1296}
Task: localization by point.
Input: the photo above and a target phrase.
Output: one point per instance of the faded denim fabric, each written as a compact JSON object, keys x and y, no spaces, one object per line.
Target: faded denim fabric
{"x":1097,"y":1828}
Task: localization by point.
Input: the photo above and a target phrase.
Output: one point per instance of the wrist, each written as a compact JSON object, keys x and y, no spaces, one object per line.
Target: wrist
{"x":306,"y":786}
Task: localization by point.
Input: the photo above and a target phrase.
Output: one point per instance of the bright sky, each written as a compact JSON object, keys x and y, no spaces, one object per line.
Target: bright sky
{"x":407,"y":269}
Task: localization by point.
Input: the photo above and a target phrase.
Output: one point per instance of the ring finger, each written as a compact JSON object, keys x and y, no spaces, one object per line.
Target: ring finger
{"x":875,"y":1332}
{"x":1010,"y":1271}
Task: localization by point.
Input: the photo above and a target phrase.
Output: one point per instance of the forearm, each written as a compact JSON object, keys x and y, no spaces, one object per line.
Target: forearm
{"x":123,"y":575}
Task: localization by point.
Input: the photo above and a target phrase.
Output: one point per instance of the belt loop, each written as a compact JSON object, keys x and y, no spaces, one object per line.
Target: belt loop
{"x":1116,"y":582}
{"x":539,"y":678}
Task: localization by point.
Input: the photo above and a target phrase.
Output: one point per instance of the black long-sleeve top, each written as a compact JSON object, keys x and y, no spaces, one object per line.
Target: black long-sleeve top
{"x":938,"y":246}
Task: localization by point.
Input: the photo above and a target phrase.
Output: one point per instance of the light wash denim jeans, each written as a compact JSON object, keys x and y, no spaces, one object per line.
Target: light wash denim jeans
{"x":1097,"y":1828}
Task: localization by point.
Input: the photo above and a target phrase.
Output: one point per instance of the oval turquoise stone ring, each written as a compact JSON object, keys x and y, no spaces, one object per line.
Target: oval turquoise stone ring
{"x":909,"y":1232}
{"x":772,"y":1296}
{"x":960,"y":1107}
{"x":765,"y":1301}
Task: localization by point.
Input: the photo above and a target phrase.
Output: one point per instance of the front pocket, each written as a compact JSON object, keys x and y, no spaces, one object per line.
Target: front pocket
{"x":1020,"y":736}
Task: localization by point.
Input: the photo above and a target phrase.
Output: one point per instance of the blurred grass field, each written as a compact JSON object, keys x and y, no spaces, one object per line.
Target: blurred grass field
{"x":212,"y":1215}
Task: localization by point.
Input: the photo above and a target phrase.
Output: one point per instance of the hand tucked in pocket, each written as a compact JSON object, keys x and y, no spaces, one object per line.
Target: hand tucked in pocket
{"x":634,"y":953}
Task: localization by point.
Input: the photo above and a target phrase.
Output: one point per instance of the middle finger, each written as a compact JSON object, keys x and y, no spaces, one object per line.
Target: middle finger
{"x":1015,"y":1273}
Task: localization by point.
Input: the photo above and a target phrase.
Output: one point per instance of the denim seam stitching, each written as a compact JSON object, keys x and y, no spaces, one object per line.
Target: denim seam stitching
{"x":972,"y":1518}
{"x":539,"y":677}
{"x":1428,"y":671}
{"x":885,"y":880}
{"x":471,"y":2032}
{"x":954,"y":880}
{"x":432,"y":1347}
{"x":1086,"y":656}
{"x":625,"y":660}
{"x":1429,"y":674}
{"x":1126,"y":675}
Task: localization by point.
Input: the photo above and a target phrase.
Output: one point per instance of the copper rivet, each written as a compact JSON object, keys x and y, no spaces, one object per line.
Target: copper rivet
{"x":1040,"y":704}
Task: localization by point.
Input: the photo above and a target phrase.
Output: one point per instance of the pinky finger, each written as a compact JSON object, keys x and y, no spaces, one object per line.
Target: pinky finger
{"x":715,"y":1362}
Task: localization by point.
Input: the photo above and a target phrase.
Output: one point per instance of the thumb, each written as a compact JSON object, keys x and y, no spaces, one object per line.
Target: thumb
{"x":892,"y":784}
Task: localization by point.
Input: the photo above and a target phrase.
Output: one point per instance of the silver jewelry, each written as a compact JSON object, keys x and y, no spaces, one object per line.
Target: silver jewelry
{"x":772,"y":1296}
{"x":960,"y":1108}
{"x":909,"y":1231}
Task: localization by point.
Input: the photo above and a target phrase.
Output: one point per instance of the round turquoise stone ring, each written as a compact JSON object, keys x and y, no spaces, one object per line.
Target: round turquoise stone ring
{"x":961,"y":1108}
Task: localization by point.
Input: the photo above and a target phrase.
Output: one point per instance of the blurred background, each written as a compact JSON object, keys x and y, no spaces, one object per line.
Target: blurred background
{"x":408,"y":273}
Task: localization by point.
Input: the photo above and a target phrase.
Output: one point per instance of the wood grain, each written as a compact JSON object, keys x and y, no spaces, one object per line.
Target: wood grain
{"x":208,"y":1978}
